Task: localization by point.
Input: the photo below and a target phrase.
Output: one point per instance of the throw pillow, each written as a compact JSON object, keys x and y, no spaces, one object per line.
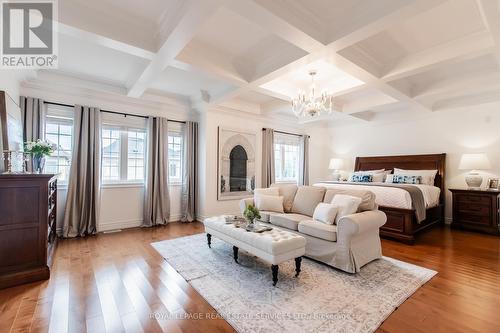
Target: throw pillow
{"x":346,"y":205}
{"x":325,"y":213}
{"x":403,"y":179}
{"x":361,"y":178}
{"x":267,"y":191}
{"x":269,"y":203}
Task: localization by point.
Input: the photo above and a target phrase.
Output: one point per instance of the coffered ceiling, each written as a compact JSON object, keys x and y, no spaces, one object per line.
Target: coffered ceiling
{"x":376,"y":57}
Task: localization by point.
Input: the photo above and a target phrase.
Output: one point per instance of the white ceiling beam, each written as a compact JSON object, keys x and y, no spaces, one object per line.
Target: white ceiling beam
{"x":371,"y":28}
{"x":101,"y":40}
{"x":275,"y":24}
{"x":470,"y":46}
{"x":194,"y":18}
{"x":467,"y":100}
{"x":374,"y":82}
{"x":477,"y":82}
{"x":490,"y":12}
{"x":210,"y":69}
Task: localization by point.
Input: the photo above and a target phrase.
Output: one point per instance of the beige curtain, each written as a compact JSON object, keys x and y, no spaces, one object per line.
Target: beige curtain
{"x":188,"y":200}
{"x":304,"y":162}
{"x":268,"y":172}
{"x":82,"y":203}
{"x":33,"y":118}
{"x":156,"y":196}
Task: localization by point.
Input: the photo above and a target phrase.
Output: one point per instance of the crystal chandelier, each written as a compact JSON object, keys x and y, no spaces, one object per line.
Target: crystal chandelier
{"x":312,"y":105}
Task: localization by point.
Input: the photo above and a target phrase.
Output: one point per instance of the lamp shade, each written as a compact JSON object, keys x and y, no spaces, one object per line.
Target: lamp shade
{"x":336,"y":164}
{"x":478,"y":161}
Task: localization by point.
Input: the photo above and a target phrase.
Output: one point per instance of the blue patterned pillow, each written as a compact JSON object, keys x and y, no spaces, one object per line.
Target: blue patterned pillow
{"x":360,"y":178}
{"x":401,"y":179}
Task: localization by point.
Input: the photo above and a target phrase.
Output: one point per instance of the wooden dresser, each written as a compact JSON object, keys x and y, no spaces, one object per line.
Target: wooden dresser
{"x":27,"y":227}
{"x":476,"y":210}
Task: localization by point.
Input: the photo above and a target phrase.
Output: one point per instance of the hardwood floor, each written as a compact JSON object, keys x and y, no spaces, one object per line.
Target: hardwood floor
{"x":114,"y":282}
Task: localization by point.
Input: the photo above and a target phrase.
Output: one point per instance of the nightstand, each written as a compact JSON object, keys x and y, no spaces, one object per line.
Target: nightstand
{"x":476,"y":210}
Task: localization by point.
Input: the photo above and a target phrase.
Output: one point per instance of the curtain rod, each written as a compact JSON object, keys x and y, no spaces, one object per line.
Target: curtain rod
{"x":288,"y":133}
{"x":114,"y":112}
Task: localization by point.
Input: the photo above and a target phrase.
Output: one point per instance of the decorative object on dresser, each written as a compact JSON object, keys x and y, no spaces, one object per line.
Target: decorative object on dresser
{"x":336,"y":164}
{"x":27,"y":227}
{"x":476,"y":210}
{"x":402,"y":224}
{"x":474,"y":162}
{"x":11,"y":134}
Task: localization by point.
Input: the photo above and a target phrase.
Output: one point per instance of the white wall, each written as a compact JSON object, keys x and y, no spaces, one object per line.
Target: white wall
{"x":454,"y":132}
{"x":208,"y":204}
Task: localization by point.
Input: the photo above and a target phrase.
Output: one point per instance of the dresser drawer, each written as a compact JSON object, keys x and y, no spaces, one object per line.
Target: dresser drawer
{"x":475,"y":210}
{"x":472,"y":219}
{"x":471,"y":199}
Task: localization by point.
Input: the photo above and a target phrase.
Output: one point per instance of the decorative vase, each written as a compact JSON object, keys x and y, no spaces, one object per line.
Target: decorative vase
{"x":38,"y":163}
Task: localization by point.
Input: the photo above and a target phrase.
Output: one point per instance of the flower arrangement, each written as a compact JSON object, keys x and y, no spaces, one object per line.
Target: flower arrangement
{"x":39,"y":148}
{"x":251,"y":212}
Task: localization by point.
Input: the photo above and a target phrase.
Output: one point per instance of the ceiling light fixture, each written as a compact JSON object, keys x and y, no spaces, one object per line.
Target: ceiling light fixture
{"x":312,"y":105}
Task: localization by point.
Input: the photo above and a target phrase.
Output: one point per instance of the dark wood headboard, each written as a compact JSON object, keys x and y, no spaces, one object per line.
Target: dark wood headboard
{"x":410,"y":162}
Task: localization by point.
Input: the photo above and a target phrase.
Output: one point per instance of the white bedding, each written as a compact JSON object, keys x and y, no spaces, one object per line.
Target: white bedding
{"x":393,"y":196}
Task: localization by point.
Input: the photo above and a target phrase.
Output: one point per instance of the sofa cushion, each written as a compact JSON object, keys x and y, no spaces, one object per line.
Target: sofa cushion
{"x":325,"y":213}
{"x":288,"y":192}
{"x":319,"y":230}
{"x":266,"y":191}
{"x":367,"y":197}
{"x":265,"y":216}
{"x":346,"y":204}
{"x":306,"y":199}
{"x":289,"y":220}
{"x":269,"y":203}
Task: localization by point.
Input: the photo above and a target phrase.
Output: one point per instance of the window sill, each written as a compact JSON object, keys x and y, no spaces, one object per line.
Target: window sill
{"x":122,"y":185}
{"x":291,"y":182}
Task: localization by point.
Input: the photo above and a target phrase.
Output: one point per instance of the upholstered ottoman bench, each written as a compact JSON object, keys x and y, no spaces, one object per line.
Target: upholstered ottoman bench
{"x":274,"y":246}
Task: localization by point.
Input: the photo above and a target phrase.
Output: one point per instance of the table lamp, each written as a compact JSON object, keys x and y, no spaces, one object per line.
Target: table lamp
{"x":335,"y":165}
{"x":474,"y":162}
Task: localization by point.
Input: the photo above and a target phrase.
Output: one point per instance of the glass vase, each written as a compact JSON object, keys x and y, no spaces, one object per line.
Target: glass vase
{"x":38,"y":163}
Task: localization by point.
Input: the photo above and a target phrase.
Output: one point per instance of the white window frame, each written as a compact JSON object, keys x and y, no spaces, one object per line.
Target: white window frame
{"x":178,"y":131}
{"x":62,"y":115}
{"x":124,"y":125}
{"x":282,"y":140}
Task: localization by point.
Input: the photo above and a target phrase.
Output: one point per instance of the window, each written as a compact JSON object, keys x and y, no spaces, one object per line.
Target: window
{"x":123,"y":149}
{"x":175,"y":151}
{"x":59,"y":131}
{"x":135,"y":155}
{"x":286,"y":157}
{"x":111,"y":151}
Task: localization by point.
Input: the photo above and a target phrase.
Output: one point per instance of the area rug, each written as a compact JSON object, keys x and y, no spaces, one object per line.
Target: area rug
{"x":321,"y":299}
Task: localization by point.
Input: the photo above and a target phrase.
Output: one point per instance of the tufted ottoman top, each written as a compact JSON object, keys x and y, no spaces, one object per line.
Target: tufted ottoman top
{"x":274,"y":242}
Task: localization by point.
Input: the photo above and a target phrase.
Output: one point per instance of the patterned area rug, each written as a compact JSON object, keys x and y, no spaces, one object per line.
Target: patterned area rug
{"x":321,"y":299}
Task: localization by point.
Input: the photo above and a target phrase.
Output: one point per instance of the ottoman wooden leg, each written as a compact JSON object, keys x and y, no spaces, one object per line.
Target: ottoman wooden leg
{"x":274,"y":269}
{"x":297,"y":265}
{"x":235,"y":253}
{"x":209,"y":240}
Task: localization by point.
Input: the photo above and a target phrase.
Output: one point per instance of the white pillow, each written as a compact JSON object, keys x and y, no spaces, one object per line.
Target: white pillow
{"x":274,"y":191}
{"x":378,"y":177}
{"x":325,"y":213}
{"x":346,"y":205}
{"x":269,"y":203}
{"x":427,"y":176}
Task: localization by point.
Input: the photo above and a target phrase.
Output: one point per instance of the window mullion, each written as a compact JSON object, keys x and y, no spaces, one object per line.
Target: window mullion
{"x":123,"y":154}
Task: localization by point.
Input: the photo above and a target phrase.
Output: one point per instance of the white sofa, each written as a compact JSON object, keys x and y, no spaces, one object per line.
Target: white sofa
{"x":350,"y":244}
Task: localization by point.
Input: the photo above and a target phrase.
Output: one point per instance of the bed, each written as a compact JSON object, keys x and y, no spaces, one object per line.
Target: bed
{"x":402,"y":222}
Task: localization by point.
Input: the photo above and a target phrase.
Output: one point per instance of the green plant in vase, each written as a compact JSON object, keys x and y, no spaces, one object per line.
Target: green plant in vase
{"x":251,"y":213}
{"x":38,"y":150}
